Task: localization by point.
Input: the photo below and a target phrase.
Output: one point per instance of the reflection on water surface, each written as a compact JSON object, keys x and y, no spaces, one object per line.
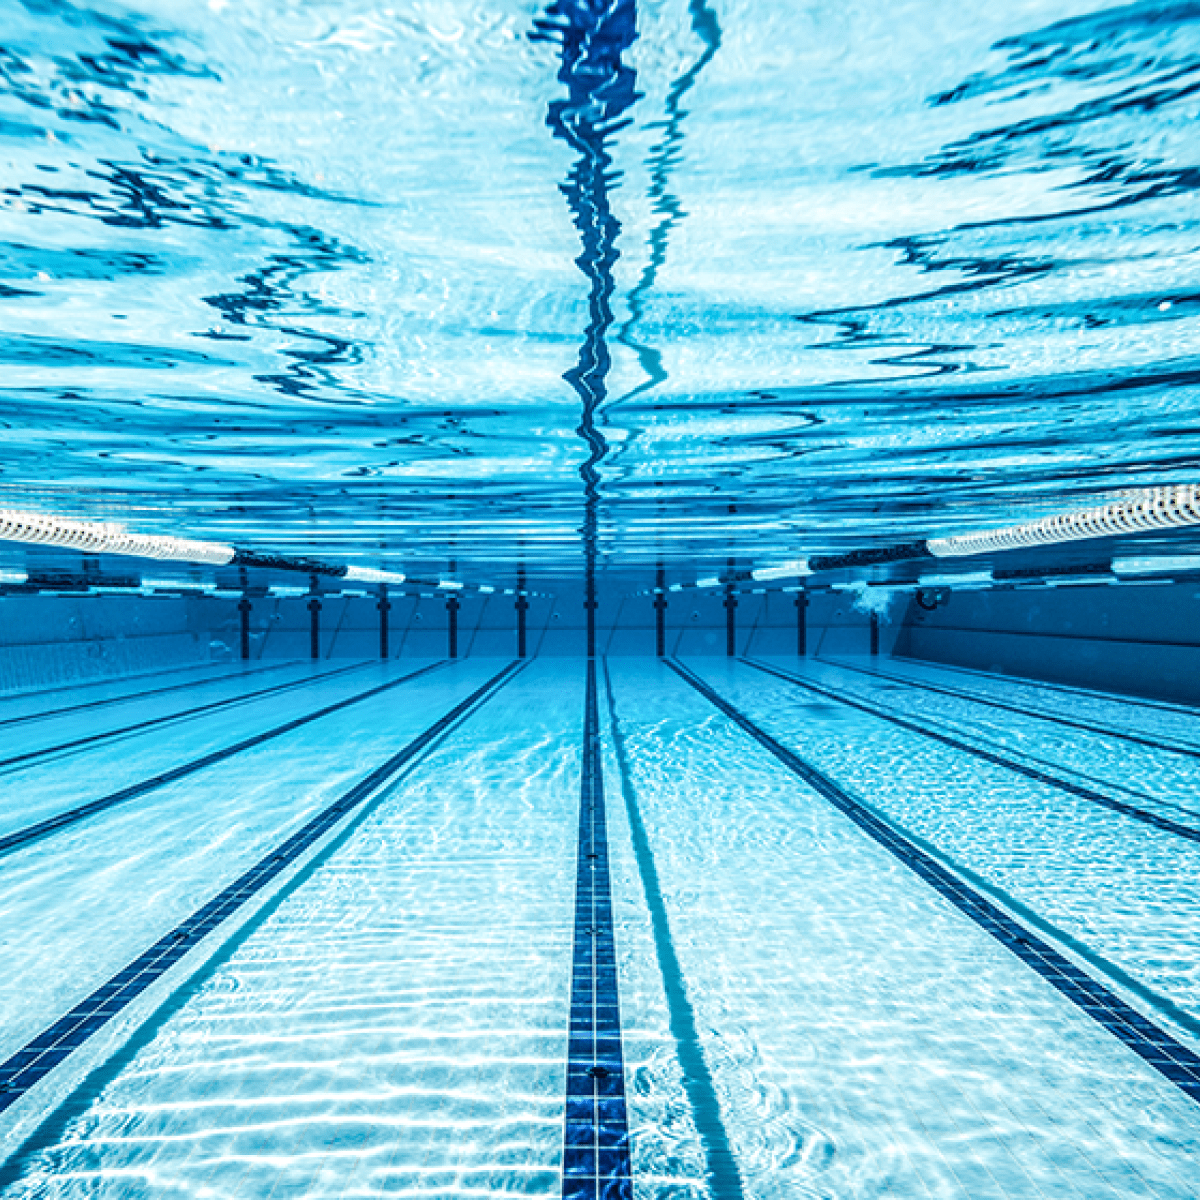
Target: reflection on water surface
{"x":677,"y":280}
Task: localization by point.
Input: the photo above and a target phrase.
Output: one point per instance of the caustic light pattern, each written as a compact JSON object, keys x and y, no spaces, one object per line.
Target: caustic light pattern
{"x":409,"y":283}
{"x":466,"y":297}
{"x":518,"y":929}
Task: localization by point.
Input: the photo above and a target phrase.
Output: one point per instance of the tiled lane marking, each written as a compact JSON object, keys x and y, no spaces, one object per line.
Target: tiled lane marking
{"x":596,"y":1159}
{"x":37,"y":1059}
{"x":1167,"y":1056}
{"x":77,"y":685}
{"x":1188,"y":710}
{"x":721,"y":1171}
{"x":185,"y":715}
{"x":129,"y":697}
{"x":31,"y":833}
{"x":1163,"y":824}
{"x":1040,"y":713}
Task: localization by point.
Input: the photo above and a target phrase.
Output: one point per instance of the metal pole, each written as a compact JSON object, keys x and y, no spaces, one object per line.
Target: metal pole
{"x":385,"y":606}
{"x":730,"y":621}
{"x":660,"y":613}
{"x":874,"y":635}
{"x":314,"y":620}
{"x":244,"y":607}
{"x":522,"y":608}
{"x":801,"y":624}
{"x":452,"y":611}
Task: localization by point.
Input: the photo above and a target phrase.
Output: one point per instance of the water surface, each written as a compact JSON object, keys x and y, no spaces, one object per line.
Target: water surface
{"x":427,"y":282}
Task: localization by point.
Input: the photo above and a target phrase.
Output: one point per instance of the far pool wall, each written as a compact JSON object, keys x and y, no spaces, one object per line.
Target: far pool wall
{"x":51,"y":640}
{"x":555,"y":625}
{"x":46,"y":641}
{"x":1141,"y":639}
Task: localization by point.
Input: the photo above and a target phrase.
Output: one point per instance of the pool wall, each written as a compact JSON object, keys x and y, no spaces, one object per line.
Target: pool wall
{"x":695,"y":622}
{"x":50,"y":640}
{"x":1139,"y":639}
{"x":1142,"y":639}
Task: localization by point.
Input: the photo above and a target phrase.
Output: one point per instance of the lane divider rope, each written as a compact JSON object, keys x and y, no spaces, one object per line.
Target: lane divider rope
{"x":1141,"y":510}
{"x":101,"y":537}
{"x":1131,"y":512}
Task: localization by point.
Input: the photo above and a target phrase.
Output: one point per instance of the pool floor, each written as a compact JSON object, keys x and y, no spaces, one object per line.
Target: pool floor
{"x":716,"y":928}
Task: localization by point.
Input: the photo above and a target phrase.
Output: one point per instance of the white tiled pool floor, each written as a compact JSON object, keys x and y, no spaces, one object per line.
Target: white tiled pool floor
{"x":396,"y":1023}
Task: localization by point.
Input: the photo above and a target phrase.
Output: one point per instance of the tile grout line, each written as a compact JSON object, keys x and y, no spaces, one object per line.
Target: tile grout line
{"x":1154,"y":820}
{"x":187,"y":714}
{"x":80,"y":685}
{"x":1192,"y":751}
{"x":1172,"y":1059}
{"x":133,"y":697}
{"x":596,"y":1156}
{"x":1187,"y":710}
{"x":31,"y":833}
{"x":29,"y":1065}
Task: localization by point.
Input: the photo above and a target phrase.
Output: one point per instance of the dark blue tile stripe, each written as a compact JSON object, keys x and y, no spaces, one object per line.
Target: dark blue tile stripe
{"x":109,"y":680}
{"x":1170,"y":1058}
{"x":1038,"y":713}
{"x":1188,"y":710}
{"x":186,"y":714}
{"x":32,"y":833}
{"x":37,"y":1059}
{"x":1163,"y":824}
{"x":131,"y":697}
{"x":596,"y":1158}
{"x":721,"y":1170}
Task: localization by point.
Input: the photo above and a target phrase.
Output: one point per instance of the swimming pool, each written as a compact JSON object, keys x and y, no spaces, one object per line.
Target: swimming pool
{"x":598,"y":599}
{"x":416,"y":285}
{"x":836,"y":930}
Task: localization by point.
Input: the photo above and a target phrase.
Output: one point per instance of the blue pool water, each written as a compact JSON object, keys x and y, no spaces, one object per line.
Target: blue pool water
{"x":562,"y":306}
{"x":801,"y":1013}
{"x":476,"y":284}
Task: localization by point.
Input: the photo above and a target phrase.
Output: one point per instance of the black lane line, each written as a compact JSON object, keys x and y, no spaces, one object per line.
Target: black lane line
{"x":1164,"y":824}
{"x":31,"y":833}
{"x":229,"y":701}
{"x":1186,"y":710}
{"x":83,"y":685}
{"x":724,"y":1180}
{"x":39,"y":1057}
{"x":1173,"y":1060}
{"x":129,"y":697}
{"x":1039,"y":714}
{"x":596,"y":1159}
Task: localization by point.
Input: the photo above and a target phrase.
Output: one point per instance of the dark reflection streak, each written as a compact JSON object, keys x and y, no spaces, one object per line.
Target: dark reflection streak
{"x":592,"y":35}
{"x":663,"y":158}
{"x":75,"y":74}
{"x":957,"y":157}
{"x":1142,"y":51}
{"x":916,"y":252}
{"x":271,"y":290}
{"x":121,"y":59}
{"x":1081,"y":390}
